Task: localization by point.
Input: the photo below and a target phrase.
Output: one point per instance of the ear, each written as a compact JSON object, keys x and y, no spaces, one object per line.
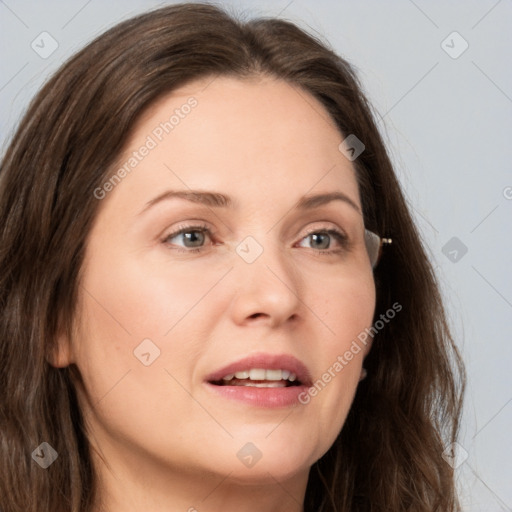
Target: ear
{"x":60,"y":353}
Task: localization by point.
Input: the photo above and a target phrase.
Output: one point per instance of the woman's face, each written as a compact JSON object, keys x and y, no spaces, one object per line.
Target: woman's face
{"x":228,"y":256}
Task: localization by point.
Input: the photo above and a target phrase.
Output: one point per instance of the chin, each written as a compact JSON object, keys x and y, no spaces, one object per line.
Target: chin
{"x":265,"y":460}
{"x":268,"y":472}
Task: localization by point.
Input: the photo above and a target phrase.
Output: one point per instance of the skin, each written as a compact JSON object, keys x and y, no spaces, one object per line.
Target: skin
{"x":161,"y":440}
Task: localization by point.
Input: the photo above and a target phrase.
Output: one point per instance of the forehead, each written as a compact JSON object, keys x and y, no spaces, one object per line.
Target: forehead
{"x":258,"y":138}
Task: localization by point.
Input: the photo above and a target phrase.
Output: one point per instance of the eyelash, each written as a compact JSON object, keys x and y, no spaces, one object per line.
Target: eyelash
{"x":340,"y":237}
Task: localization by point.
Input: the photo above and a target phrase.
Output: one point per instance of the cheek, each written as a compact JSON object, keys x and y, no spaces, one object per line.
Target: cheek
{"x":124,"y":315}
{"x":129,"y":310}
{"x":347,"y":305}
{"x":142,"y":300}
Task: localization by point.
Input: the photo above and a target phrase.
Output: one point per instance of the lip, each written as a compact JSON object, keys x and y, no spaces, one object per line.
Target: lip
{"x":262,"y":397}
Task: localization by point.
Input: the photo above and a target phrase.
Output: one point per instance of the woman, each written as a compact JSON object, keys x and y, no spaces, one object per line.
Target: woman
{"x":197,"y":216}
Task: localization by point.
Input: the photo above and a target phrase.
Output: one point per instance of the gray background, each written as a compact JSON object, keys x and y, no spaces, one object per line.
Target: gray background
{"x":448,"y":125}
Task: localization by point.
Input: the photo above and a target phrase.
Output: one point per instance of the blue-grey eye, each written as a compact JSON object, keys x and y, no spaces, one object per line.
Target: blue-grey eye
{"x":190,"y":238}
{"x":320,"y":240}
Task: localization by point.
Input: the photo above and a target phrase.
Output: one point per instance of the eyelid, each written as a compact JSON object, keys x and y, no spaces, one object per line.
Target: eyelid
{"x":324,"y":228}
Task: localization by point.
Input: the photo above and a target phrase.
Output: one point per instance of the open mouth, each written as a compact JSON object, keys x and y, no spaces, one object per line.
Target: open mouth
{"x":259,"y":378}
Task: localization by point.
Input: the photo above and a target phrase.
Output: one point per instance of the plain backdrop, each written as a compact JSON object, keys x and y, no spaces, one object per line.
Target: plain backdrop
{"x":439,"y":76}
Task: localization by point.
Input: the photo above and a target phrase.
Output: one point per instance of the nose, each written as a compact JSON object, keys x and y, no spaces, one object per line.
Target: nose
{"x":268,"y":290}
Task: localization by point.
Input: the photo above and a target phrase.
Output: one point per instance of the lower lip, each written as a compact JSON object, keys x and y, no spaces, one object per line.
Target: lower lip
{"x":260,"y":397}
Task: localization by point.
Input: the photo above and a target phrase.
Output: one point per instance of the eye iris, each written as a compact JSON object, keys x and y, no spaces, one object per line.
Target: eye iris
{"x":320,"y":240}
{"x":193,"y":238}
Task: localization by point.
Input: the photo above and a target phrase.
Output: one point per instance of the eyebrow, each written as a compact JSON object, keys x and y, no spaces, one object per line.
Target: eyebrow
{"x":314,"y":201}
{"x":219,"y":200}
{"x":212,"y":199}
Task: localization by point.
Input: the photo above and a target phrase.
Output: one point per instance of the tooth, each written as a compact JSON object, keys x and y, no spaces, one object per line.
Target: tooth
{"x":272,"y":384}
{"x":262,"y":374}
{"x":273,"y":375}
{"x":257,"y":374}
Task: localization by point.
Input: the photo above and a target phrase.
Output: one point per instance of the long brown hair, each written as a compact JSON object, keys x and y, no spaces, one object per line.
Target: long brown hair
{"x":388,"y":455}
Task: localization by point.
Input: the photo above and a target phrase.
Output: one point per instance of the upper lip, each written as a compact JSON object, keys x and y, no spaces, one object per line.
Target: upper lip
{"x":266,"y":361}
